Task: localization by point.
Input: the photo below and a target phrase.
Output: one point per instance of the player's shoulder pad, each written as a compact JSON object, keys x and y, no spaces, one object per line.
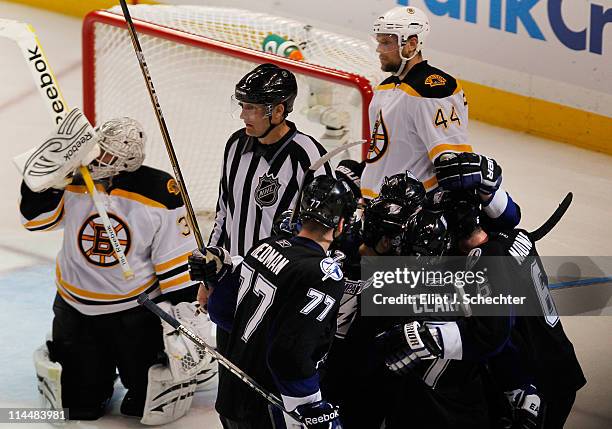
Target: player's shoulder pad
{"x":431,"y":82}
{"x":151,"y":183}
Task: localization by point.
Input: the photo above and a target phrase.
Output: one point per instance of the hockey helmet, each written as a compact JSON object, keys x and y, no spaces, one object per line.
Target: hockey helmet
{"x":428,"y":235}
{"x":122,"y":148}
{"x":268,"y":85}
{"x":327,"y":200}
{"x":462,"y":211}
{"x":404,"y":187}
{"x":386,"y":217}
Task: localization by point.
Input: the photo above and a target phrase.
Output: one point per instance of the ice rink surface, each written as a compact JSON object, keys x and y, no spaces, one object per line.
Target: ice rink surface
{"x":537,"y":173}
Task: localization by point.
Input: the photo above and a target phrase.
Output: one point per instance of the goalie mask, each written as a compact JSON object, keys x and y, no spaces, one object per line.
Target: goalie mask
{"x":122,"y":148}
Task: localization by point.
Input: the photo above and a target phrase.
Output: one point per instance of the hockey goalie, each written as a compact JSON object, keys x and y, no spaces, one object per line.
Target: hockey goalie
{"x":99,"y":329}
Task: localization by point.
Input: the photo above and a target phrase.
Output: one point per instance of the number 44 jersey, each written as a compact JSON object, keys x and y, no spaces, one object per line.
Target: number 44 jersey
{"x":286,"y":293}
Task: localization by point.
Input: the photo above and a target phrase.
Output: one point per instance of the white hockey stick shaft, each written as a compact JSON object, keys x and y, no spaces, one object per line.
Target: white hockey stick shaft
{"x":46,"y":83}
{"x":314,"y":167}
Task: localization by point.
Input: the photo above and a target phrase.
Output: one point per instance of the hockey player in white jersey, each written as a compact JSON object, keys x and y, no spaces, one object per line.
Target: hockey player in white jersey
{"x":98,"y":326}
{"x":420,"y":113}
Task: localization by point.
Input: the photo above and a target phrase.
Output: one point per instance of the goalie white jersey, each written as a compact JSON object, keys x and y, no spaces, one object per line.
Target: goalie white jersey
{"x":413,"y":121}
{"x":147,"y":213}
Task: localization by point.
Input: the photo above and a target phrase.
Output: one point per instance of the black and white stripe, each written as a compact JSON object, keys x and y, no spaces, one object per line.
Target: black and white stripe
{"x":240,"y":220}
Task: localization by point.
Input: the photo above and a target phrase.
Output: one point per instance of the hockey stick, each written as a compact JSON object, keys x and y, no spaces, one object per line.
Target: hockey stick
{"x":143,"y":299}
{"x":553,"y":220}
{"x":163,"y":128}
{"x":25,"y":36}
{"x":314,"y":167}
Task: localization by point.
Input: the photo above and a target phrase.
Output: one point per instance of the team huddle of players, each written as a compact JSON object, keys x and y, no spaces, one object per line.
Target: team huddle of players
{"x":463,"y":371}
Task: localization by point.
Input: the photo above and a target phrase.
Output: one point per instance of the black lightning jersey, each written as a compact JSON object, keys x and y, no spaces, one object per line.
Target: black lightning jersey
{"x":542,"y":347}
{"x":287,"y":299}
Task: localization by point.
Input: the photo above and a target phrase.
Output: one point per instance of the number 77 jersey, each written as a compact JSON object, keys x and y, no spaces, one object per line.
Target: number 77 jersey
{"x":413,"y":121}
{"x":286,"y":308}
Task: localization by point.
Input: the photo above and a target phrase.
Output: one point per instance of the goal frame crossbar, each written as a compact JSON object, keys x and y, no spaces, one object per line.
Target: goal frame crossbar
{"x":340,"y":77}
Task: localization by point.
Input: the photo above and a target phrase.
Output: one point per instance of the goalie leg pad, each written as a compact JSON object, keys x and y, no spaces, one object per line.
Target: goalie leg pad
{"x":168,"y":399}
{"x":49,"y":376}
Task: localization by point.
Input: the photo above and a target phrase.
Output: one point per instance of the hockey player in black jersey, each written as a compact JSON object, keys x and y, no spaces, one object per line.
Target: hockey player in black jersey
{"x":539,"y":354}
{"x":282,"y":301}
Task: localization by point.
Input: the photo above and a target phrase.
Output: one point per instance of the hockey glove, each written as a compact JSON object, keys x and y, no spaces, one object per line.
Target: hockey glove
{"x":403,"y":346}
{"x":466,"y":170}
{"x":525,"y":405}
{"x":319,"y":415}
{"x":283,"y":226}
{"x":214,"y":269}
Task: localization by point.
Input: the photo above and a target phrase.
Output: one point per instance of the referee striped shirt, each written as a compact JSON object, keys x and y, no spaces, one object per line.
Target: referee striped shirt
{"x":258,"y":183}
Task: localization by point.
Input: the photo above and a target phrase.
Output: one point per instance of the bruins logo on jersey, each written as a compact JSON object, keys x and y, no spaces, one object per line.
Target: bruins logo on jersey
{"x":95,"y":244}
{"x":173,"y":187}
{"x":435,"y":80}
{"x":266,"y":192}
{"x":379,"y":141}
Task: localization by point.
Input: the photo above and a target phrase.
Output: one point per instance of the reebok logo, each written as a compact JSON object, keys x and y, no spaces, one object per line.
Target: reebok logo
{"x":321,"y":419}
{"x":46,"y":81}
{"x":76,"y":146}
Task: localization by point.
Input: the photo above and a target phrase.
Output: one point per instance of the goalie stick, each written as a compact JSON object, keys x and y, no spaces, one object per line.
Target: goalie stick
{"x":143,"y":299}
{"x":25,"y":36}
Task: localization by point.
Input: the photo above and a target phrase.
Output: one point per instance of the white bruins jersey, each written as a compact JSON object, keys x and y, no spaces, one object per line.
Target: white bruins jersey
{"x":149,"y":218}
{"x":414,"y":121}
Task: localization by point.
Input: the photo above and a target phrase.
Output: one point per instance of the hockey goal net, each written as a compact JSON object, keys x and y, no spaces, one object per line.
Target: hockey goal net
{"x":195,"y":56}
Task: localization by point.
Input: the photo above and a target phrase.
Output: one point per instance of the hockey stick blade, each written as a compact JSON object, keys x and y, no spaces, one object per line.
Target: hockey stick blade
{"x":553,"y":220}
{"x":144,"y":300}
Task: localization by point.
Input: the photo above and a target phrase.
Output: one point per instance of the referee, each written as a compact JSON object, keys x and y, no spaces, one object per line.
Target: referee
{"x":263,"y":166}
{"x":264,"y":162}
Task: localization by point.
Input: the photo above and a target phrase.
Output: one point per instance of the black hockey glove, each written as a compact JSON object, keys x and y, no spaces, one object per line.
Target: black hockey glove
{"x":212,"y":271}
{"x":527,"y":412}
{"x":466,"y":170}
{"x":403,"y":346}
{"x":319,"y":415}
{"x":283,"y":226}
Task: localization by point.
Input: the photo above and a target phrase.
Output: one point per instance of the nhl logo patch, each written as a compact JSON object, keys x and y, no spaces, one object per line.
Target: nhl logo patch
{"x":266,"y":192}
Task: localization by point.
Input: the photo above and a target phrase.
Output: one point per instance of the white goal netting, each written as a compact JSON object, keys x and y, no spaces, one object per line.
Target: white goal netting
{"x":194,"y":83}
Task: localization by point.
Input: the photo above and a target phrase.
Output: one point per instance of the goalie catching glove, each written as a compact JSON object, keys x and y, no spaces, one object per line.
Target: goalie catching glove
{"x":466,"y":171}
{"x":219,"y":263}
{"x":72,"y":144}
{"x":403,"y":346}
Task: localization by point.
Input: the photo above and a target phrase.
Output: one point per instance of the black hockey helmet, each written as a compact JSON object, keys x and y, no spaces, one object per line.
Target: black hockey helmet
{"x":386,"y":217}
{"x":327,"y":200}
{"x":428,"y":235}
{"x":404,"y":187}
{"x":269,"y":85}
{"x":462,"y":211}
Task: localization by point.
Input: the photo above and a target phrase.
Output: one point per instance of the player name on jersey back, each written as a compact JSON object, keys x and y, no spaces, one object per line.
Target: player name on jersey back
{"x":270,"y":257}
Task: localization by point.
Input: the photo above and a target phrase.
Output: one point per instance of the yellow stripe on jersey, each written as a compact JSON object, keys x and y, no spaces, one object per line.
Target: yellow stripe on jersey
{"x":385,"y":87}
{"x":430,"y":183}
{"x":368,"y":193}
{"x":48,"y":220}
{"x":448,"y":147}
{"x":137,"y":197}
{"x":176,"y":281}
{"x":82,"y":189}
{"x":409,"y":90}
{"x":101,"y":296}
{"x":165,"y":266}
